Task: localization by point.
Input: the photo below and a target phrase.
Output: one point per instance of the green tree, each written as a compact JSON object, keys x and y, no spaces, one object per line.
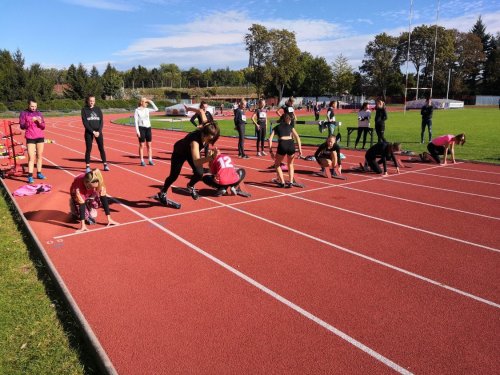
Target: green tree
{"x":257,"y":43}
{"x":39,"y":84}
{"x":483,"y":74}
{"x":469,"y":56}
{"x":171,"y":74}
{"x":283,"y":63}
{"x":9,"y":86}
{"x":77,"y":79}
{"x":111,"y":82}
{"x":318,"y":78}
{"x":343,"y":76}
{"x":491,"y":82}
{"x":381,"y":64}
{"x":94,"y":83}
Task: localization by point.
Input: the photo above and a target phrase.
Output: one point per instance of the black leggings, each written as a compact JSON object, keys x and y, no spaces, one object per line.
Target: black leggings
{"x":365,"y":133}
{"x":177,"y":162}
{"x":261,"y":137}
{"x":88,"y":146}
{"x":380,"y":130}
{"x":241,"y":139}
{"x":435,"y":151}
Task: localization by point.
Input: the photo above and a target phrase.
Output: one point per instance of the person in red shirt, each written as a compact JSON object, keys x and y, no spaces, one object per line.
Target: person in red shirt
{"x":224,"y":176}
{"x":88,"y":192}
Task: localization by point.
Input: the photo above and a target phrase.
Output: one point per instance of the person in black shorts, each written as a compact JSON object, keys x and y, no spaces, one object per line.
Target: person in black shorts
{"x":384,"y":151}
{"x":328,"y":157}
{"x":286,"y":146}
{"x":188,"y":149}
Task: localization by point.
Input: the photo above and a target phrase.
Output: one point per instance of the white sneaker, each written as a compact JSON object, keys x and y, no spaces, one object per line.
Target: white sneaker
{"x":259,"y":153}
{"x":263,"y":153}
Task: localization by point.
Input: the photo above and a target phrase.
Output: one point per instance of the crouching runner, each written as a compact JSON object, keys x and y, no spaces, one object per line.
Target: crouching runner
{"x":224,"y":176}
{"x":88,"y":192}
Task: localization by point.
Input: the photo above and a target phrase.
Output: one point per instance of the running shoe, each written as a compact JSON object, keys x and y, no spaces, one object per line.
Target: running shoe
{"x":106,"y":168}
{"x":150,"y":162}
{"x":245,"y":157}
{"x":30,"y":180}
{"x":193,"y":192}
{"x":220,"y":192}
{"x":296,"y":184}
{"x":142,"y":163}
{"x":87,"y":170}
{"x":162,"y":197}
{"x":40,"y":176}
{"x":259,"y":153}
{"x":242,"y":193}
{"x":264,"y":153}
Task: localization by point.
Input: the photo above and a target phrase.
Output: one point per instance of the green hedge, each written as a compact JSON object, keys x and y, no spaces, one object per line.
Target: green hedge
{"x":65,"y":105}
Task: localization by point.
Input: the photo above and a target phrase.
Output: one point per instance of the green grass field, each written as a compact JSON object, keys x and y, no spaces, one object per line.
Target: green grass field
{"x":38,"y":335}
{"x":481,"y":126}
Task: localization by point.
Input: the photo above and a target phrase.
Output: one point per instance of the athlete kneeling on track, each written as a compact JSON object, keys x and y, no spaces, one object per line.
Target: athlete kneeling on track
{"x":328,"y":157}
{"x":384,"y":151}
{"x":440,"y":146}
{"x":224,"y":176}
{"x":88,"y":193}
{"x":286,"y":146}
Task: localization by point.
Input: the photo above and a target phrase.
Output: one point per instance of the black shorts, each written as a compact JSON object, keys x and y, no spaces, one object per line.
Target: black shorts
{"x":286,"y":147}
{"x":35,"y":140}
{"x":145,"y":134}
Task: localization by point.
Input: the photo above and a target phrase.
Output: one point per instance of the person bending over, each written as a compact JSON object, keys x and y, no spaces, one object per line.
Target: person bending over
{"x":188,"y":149}
{"x":442,"y":146}
{"x":382,"y":151}
{"x":88,"y":192}
{"x":224,"y":176}
{"x":328,"y":157}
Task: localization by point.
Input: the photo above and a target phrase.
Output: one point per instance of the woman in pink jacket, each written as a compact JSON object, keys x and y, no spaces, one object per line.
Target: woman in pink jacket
{"x":31,"y":120}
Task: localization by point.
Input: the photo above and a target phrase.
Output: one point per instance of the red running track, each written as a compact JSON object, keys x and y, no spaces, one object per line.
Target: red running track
{"x":368,"y":275}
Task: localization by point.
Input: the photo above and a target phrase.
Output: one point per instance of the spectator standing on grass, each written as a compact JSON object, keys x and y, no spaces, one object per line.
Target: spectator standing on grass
{"x":442,"y":146}
{"x":188,"y":149}
{"x":259,"y":119}
{"x":93,"y":122}
{"x":88,"y":192}
{"x":330,"y":118}
{"x":317,"y":111}
{"x":240,"y":120}
{"x":143,"y":128}
{"x":287,"y":108}
{"x":380,"y":117}
{"x":31,"y":120}
{"x":426,"y":113}
{"x":364,"y":116}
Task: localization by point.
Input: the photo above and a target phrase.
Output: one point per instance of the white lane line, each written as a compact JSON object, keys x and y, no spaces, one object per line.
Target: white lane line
{"x":458,"y":178}
{"x":418,"y":202}
{"x":379,"y":357}
{"x":330,"y":244}
{"x":442,"y":189}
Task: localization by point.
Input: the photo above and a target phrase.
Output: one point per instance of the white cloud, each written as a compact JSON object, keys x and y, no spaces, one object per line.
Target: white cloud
{"x":104,"y":4}
{"x":217,"y":39}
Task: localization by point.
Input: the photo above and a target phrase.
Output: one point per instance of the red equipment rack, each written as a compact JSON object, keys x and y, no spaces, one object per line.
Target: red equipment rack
{"x":11,"y":150}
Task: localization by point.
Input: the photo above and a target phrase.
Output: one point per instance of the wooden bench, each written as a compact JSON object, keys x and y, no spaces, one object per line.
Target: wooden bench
{"x":350,"y":129}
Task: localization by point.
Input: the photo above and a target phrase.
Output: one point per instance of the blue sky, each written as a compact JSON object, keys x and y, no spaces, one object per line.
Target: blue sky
{"x":203,"y":34}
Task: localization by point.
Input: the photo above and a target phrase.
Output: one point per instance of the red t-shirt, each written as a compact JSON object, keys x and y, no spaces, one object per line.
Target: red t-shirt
{"x":223,"y":170}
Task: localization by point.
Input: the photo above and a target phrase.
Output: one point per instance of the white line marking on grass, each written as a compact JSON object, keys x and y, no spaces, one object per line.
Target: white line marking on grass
{"x":409,"y":273}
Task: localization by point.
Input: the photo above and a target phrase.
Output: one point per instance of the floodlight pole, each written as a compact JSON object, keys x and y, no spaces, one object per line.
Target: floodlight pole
{"x":435,"y":46}
{"x":408,"y":54}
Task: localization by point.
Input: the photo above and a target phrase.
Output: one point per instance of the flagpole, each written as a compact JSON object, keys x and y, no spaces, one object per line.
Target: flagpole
{"x":408,"y":53}
{"x":435,"y":46}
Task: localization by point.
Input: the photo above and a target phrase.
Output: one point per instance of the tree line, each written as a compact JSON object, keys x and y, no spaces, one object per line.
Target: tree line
{"x":460,"y":63}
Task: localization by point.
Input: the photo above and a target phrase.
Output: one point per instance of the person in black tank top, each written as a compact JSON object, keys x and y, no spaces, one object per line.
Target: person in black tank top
{"x":286,"y":146}
{"x":188,"y":149}
{"x":259,"y":119}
